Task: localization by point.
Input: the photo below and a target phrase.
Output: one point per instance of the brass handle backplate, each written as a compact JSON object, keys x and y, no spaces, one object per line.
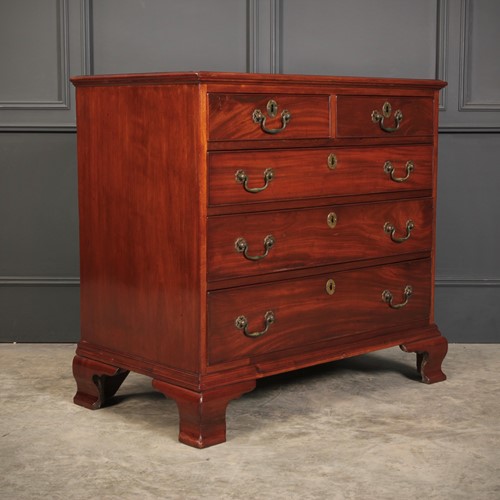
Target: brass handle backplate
{"x":378,"y":117}
{"x":389,"y":169}
{"x":242,"y":178}
{"x":272,"y":110}
{"x":387,"y":297}
{"x":241,"y":323}
{"x":390,"y":229}
{"x":241,"y":246}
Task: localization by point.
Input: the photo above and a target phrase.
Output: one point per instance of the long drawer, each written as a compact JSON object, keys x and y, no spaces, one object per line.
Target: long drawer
{"x":252,"y":320}
{"x":257,"y":176}
{"x":258,"y":243}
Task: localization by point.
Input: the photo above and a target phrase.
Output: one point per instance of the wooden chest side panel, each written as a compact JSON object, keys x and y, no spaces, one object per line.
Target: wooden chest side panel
{"x":140,"y":281}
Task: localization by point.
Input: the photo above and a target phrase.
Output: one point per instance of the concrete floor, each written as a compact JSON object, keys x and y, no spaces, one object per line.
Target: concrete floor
{"x":355,"y":429}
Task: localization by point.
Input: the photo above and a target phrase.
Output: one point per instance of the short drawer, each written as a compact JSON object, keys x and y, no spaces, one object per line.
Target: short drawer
{"x":257,"y":176}
{"x":253,"y":320}
{"x":259,"y":243}
{"x":379,"y":116}
{"x":259,"y":117}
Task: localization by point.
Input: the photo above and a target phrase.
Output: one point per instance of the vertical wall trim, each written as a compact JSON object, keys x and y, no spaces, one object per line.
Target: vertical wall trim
{"x":442,"y":50}
{"x":63,"y":39}
{"x":86,"y":36}
{"x":62,"y":101}
{"x":252,"y":36}
{"x":465,"y":102}
{"x":276,"y":16}
{"x":463,"y":85}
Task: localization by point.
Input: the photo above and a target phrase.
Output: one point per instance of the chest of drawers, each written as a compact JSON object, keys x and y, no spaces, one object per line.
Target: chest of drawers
{"x":235,"y":226}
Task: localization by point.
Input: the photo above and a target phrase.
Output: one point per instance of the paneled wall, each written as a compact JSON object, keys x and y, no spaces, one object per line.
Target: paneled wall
{"x":42,"y":42}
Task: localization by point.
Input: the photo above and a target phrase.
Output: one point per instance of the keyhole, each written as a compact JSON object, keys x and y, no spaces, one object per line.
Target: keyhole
{"x":386,"y":109}
{"x":272,"y":108}
{"x":331,"y":220}
{"x":332,"y":161}
{"x":330,"y":287}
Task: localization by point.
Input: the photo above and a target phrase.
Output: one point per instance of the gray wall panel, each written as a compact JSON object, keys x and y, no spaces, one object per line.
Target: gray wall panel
{"x":30,"y":52}
{"x":468,"y":232}
{"x":469,"y":313}
{"x":456,"y":39}
{"x":38,"y":205}
{"x":41,"y":43}
{"x":481,"y":67}
{"x":472,"y":65}
{"x":169,"y":35}
{"x":39,"y":313}
{"x":468,"y":238}
{"x":361,"y":37}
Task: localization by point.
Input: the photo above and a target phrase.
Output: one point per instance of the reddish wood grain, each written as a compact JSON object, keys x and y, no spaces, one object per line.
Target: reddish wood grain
{"x":305,"y":313}
{"x":96,"y":382}
{"x":160,"y":210}
{"x":304,"y":239}
{"x":259,"y":81}
{"x":430,"y":355}
{"x":202,"y":415}
{"x":230,"y":116}
{"x":354,"y":116}
{"x":139,"y":205}
{"x":305,"y":173}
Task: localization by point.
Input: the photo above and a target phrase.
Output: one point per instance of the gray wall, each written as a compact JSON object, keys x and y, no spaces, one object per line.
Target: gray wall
{"x":42,"y":42}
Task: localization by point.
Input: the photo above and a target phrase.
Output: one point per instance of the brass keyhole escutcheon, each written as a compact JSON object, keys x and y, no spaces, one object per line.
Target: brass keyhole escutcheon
{"x":331,"y":220}
{"x":387,"y":109}
{"x":332,"y":161}
{"x":272,"y":108}
{"x":330,"y":287}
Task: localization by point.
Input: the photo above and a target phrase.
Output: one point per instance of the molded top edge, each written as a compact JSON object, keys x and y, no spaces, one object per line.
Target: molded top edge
{"x":196,"y":77}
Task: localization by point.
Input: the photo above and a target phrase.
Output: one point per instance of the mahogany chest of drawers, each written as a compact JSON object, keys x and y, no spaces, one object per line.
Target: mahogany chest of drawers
{"x":234,"y":226}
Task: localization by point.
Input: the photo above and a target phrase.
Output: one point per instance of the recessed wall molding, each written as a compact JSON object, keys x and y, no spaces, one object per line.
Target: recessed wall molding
{"x":276,"y":41}
{"x":458,"y":129}
{"x":74,"y":53}
{"x":252,"y":36}
{"x":62,"y":101}
{"x":466,"y":103}
{"x":75,"y":281}
{"x":442,"y":50}
{"x":39,"y":281}
{"x":264,"y":20}
{"x":467,"y":282}
{"x":86,"y":37}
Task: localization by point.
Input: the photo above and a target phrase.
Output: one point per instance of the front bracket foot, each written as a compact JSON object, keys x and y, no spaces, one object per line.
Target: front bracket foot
{"x":202,"y":415}
{"x":96,"y":382}
{"x":430,"y":355}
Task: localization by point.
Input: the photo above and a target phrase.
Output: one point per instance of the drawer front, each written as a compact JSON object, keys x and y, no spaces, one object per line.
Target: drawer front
{"x":372,"y":117}
{"x":252,"y":244}
{"x":255,"y":176}
{"x":303,"y":311}
{"x":259,"y":117}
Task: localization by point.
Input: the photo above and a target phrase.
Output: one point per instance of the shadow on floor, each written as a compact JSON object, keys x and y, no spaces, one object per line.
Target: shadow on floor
{"x":367,"y":363}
